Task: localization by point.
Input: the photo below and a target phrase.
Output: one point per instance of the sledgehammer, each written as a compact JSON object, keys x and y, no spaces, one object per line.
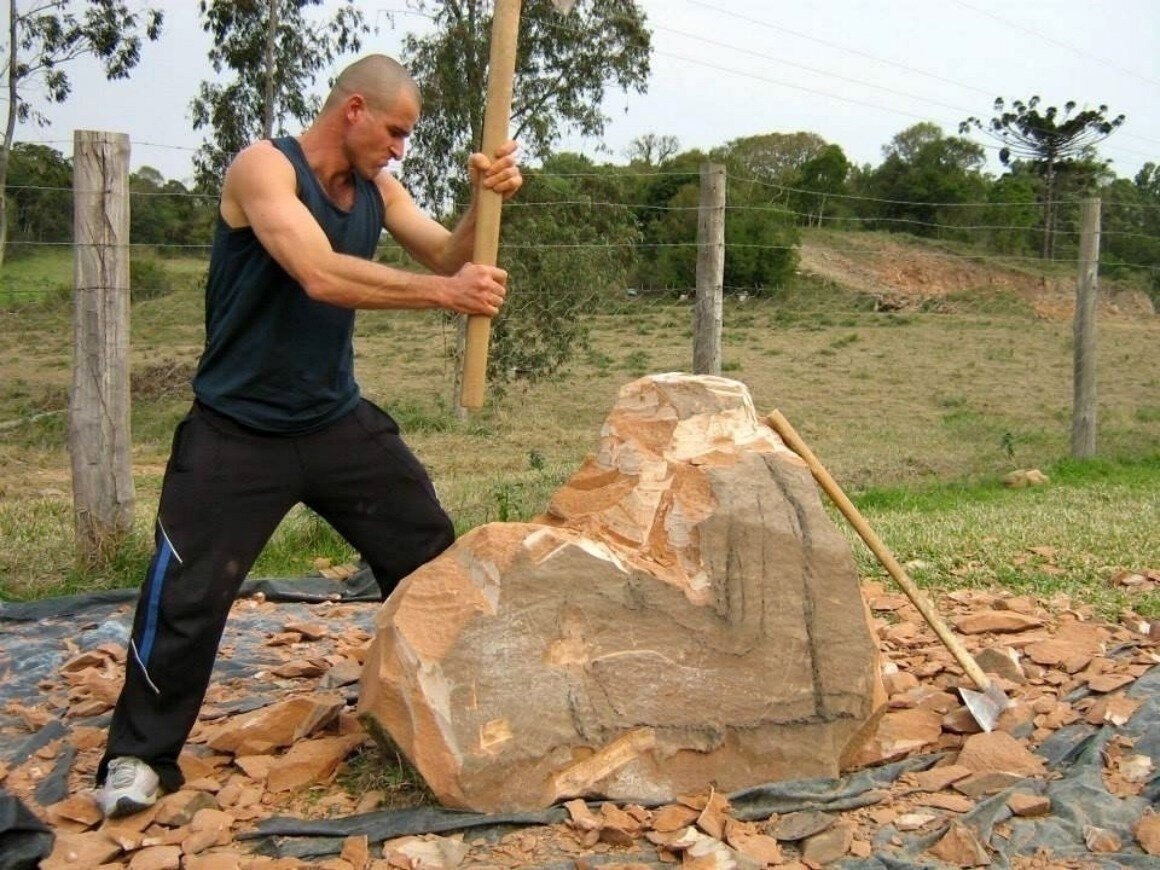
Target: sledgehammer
{"x":985,"y":705}
{"x":505,"y":28}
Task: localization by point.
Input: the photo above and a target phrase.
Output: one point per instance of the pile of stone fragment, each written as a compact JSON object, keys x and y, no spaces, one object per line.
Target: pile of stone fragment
{"x":1060,"y":664}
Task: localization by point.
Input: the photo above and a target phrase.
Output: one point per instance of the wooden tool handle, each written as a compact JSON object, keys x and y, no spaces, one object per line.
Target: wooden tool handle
{"x":505,"y":29}
{"x":783,"y":428}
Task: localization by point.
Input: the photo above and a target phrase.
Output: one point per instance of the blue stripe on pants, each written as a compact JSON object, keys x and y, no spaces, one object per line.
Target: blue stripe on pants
{"x":153,"y":605}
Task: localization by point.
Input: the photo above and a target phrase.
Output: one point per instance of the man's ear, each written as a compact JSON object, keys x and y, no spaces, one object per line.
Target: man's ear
{"x":356,"y":105}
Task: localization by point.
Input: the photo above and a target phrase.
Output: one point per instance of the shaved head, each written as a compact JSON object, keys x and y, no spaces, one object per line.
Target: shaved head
{"x":377,"y":78}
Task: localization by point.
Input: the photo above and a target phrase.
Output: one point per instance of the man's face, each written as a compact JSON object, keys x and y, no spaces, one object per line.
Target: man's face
{"x":379,"y":135}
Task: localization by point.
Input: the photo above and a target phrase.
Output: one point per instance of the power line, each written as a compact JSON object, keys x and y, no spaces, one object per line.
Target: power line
{"x":720,"y":10}
{"x":1059,"y":44}
{"x":785,"y":84}
{"x":845,"y":99}
{"x":862,"y":82}
{"x":881,"y":60}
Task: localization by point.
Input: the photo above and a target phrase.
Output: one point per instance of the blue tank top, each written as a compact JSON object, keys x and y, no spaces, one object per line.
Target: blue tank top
{"x":276,"y":360}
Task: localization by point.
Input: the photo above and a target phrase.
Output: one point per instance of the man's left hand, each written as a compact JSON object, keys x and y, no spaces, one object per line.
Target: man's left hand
{"x":500,"y":173}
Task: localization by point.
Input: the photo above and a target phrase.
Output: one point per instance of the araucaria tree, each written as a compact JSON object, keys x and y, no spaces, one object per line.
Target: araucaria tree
{"x":563,"y":67}
{"x":1050,"y":141}
{"x":43,"y":37}
{"x":275,"y":52}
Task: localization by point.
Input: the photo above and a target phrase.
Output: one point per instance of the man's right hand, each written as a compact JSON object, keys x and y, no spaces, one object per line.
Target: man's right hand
{"x":476,"y":289}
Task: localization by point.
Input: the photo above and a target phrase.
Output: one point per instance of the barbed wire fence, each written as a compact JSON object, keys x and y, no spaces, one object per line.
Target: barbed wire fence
{"x":15,"y":293}
{"x":973,"y":225}
{"x":962,"y":233}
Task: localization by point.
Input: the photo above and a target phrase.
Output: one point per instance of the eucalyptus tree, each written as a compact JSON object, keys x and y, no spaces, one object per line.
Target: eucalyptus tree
{"x":1050,"y":141}
{"x":274,"y":50}
{"x":564,"y":66}
{"x":652,"y":149}
{"x":44,"y":37}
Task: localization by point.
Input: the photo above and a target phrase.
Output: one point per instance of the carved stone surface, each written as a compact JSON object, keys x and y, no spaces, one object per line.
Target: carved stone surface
{"x":685,"y":614}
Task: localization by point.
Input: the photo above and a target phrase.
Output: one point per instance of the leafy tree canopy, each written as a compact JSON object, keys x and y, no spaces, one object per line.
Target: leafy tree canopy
{"x":40,"y":195}
{"x":759,"y":235}
{"x":774,"y":158}
{"x":51,"y":33}
{"x":568,"y":245}
{"x":234,"y":110}
{"x":1051,"y":141}
{"x":564,"y":65}
{"x":923,"y":175}
{"x":818,"y":180}
{"x":44,"y":38}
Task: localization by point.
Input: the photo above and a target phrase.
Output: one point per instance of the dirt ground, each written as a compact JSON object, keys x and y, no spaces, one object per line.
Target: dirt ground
{"x":902,"y":277}
{"x":937,"y":792}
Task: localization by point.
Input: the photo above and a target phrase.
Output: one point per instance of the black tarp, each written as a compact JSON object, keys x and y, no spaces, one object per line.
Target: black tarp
{"x":32,"y":648}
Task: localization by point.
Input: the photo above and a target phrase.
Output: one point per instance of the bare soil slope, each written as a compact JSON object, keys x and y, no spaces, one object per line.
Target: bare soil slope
{"x":904,"y":273}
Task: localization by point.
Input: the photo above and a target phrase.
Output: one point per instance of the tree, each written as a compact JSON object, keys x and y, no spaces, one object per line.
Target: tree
{"x":40,"y":198}
{"x":249,"y":35}
{"x":924,"y":174}
{"x":564,"y":65}
{"x":568,"y":247}
{"x":166,"y":214}
{"x":760,"y":238}
{"x":1131,"y":226}
{"x":819,"y":179}
{"x":44,"y":38}
{"x":651,"y":149}
{"x":1012,"y":214}
{"x":1049,"y":140}
{"x":773,"y":158}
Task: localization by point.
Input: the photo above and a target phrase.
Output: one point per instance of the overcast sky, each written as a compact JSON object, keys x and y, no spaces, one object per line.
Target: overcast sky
{"x":855,"y":72}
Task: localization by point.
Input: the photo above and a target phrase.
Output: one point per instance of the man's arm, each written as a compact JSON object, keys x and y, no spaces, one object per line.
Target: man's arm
{"x":259,"y":190}
{"x":441,"y":250}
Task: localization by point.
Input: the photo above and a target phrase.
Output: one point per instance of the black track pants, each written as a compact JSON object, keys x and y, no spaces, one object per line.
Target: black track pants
{"x":225,"y":491}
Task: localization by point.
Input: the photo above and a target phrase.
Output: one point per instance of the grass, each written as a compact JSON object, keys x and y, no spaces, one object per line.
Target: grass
{"x":1093,"y":519}
{"x":918,"y":413}
{"x":29,"y":280}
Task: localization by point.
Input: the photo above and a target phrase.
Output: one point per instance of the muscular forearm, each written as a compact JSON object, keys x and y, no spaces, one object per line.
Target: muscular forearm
{"x":351,"y":282}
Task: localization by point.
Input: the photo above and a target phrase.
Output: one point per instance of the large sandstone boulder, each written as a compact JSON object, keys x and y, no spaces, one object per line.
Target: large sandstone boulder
{"x":684,"y":615}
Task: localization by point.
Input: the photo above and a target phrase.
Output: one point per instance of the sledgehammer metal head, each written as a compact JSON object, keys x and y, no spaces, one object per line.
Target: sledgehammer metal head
{"x":986,"y":706}
{"x":563,"y":6}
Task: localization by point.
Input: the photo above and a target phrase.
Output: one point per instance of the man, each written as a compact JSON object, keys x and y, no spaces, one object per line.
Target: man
{"x":277,"y":417}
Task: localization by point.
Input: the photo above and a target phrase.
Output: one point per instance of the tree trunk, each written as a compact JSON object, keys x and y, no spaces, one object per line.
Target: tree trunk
{"x":1048,"y":250}
{"x":9,"y":128}
{"x":99,"y":439}
{"x":271,"y":37}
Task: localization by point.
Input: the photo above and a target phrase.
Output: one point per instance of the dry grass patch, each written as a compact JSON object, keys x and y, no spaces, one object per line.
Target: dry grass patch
{"x":884,"y":399}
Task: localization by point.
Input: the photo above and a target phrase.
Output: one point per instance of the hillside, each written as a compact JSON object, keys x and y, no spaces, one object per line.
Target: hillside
{"x":906,"y":273}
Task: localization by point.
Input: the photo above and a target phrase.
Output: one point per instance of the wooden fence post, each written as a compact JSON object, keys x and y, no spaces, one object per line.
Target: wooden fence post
{"x":1083,"y":417}
{"x":99,"y":437}
{"x":707,"y":313}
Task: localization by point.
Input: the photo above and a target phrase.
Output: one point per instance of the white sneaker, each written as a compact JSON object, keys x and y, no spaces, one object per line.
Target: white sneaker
{"x":130,"y":786}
